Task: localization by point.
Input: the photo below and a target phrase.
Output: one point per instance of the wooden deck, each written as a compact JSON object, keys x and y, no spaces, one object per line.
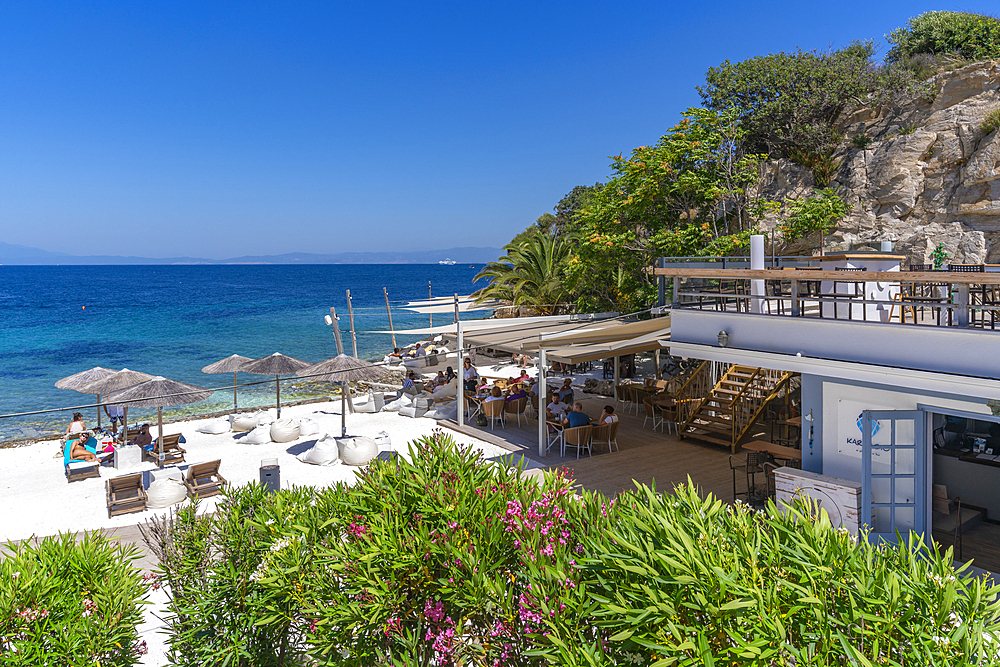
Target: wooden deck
{"x":646,"y":456}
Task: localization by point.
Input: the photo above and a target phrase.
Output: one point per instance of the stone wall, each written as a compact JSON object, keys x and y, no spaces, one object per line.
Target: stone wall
{"x":930,"y":175}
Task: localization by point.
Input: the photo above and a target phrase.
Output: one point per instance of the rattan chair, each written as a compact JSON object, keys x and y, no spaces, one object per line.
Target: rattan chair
{"x":578,"y":437}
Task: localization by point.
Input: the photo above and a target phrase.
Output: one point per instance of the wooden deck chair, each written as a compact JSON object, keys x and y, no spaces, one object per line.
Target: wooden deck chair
{"x":172,"y":450}
{"x":578,"y":437}
{"x":518,"y":408}
{"x":125,"y":494}
{"x":203,"y":479}
{"x":494,"y":410}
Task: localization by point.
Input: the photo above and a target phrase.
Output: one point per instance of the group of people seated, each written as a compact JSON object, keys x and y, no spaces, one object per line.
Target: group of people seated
{"x":80,"y":443}
{"x":571,"y":415}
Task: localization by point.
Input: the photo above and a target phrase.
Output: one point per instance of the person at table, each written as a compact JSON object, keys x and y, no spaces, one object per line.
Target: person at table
{"x":75,"y":426}
{"x":449,"y":374}
{"x":409,"y":387}
{"x":566,"y":391}
{"x":516,"y":393}
{"x":523,"y":377}
{"x":555,"y":410}
{"x":495,"y":395}
{"x":469,"y":375}
{"x":608,"y":415}
{"x":576,"y":416}
{"x":143,"y":438}
{"x":438,"y":380}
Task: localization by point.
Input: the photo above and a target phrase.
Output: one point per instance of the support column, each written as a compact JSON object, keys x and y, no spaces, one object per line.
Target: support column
{"x":796,"y":305}
{"x":542,"y":427}
{"x":460,"y":394}
{"x":962,"y":305}
{"x":617,"y":379}
{"x":756,"y":263}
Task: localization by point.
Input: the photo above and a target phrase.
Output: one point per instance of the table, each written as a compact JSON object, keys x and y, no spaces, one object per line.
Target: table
{"x":777,"y":451}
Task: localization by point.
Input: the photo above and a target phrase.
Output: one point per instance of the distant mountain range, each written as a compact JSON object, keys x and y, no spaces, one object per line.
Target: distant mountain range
{"x":23,"y":255}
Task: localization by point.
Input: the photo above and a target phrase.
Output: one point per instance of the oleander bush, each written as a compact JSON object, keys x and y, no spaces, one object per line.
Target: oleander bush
{"x":677,"y":579}
{"x":64,"y":602}
{"x":447,"y":560}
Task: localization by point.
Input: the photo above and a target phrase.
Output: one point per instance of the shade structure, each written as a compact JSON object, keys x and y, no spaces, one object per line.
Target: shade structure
{"x":276,"y":364}
{"x":231,"y":364}
{"x":80,"y":380}
{"x":159,"y":392}
{"x":344,"y":369}
{"x":116,"y":381}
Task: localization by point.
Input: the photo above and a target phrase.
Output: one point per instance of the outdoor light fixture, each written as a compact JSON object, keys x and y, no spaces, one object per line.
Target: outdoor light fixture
{"x":329,"y":321}
{"x":723,"y":339}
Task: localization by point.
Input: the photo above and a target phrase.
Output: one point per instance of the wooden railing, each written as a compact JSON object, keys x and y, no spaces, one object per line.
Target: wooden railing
{"x":753,"y":397}
{"x":692,"y":393}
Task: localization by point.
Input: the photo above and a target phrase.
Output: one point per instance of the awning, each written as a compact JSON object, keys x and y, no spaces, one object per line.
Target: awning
{"x":469,"y":326}
{"x":608,"y":331}
{"x":577,"y":354}
{"x":446,"y":304}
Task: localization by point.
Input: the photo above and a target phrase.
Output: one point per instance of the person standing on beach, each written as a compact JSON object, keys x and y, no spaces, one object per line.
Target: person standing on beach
{"x":116,"y":414}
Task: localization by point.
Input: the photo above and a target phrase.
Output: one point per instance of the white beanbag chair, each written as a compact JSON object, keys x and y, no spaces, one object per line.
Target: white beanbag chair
{"x":246,"y":421}
{"x":214,"y":427}
{"x":374,"y":403}
{"x":418,"y":408}
{"x":326,"y":452}
{"x":308,"y":427}
{"x":383,"y":440}
{"x":401,"y":402}
{"x":164,"y":493}
{"x":357,"y":451}
{"x":443,"y":411}
{"x":259,"y":436}
{"x":285,"y":430}
{"x":450,"y":389}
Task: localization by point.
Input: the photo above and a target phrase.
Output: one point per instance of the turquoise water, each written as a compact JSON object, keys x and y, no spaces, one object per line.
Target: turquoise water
{"x":173,"y":320}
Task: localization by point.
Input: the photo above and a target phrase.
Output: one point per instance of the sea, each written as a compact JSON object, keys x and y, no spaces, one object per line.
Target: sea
{"x":174,"y":320}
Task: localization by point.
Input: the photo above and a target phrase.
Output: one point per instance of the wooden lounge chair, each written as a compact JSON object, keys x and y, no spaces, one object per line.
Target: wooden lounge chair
{"x":125,"y":494}
{"x":172,"y":450}
{"x":203,"y":479}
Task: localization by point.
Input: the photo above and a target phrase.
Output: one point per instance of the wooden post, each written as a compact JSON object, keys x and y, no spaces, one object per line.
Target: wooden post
{"x":962,"y":305}
{"x":235,"y":404}
{"x":796,"y":306}
{"x":677,"y":290}
{"x":388,"y":312}
{"x":430,"y":316}
{"x":350,"y":317}
{"x":336,"y":330}
{"x":277,"y":394}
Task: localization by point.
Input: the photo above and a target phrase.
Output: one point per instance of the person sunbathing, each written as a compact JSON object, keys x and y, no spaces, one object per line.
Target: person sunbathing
{"x":77,"y":447}
{"x":143,"y":438}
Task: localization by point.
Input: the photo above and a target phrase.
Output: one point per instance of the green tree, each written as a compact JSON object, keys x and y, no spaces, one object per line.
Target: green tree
{"x":531,"y":274}
{"x":968,"y":36}
{"x":789,"y":101}
{"x":683,"y":195}
{"x":814,"y":214}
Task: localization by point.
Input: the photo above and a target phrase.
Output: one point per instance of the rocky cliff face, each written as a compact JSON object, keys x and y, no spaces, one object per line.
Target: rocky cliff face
{"x":929,"y":176}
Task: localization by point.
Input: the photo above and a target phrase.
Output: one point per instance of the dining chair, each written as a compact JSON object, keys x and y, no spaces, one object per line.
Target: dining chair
{"x":606,"y":433}
{"x":651,"y":412}
{"x":578,"y":437}
{"x":517,"y":408}
{"x":494,"y":410}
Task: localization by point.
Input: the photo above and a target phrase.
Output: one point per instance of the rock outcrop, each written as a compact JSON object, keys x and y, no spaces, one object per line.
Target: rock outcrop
{"x":929,"y":174}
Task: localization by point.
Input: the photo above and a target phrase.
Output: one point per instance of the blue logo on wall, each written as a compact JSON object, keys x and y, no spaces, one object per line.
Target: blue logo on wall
{"x":861,"y":423}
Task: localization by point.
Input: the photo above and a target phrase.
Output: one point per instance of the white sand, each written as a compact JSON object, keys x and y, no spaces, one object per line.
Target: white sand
{"x":39,"y":501}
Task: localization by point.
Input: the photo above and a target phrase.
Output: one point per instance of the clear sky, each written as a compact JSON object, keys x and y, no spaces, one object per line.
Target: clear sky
{"x":219,"y":129}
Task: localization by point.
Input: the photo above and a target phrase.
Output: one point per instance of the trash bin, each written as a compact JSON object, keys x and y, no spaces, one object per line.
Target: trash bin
{"x":270,"y":475}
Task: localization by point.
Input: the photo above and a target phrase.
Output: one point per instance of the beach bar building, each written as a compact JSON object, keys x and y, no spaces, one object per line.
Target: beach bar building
{"x":900,"y":376}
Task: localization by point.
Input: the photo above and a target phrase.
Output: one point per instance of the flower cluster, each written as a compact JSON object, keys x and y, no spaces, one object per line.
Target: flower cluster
{"x":544,"y":520}
{"x":32,"y":614}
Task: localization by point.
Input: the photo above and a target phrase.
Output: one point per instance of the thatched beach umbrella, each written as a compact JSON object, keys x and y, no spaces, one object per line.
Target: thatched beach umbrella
{"x":80,"y":380}
{"x":231,"y":364}
{"x":276,"y":364}
{"x":344,"y":369}
{"x":115,"y":382}
{"x":159,"y":392}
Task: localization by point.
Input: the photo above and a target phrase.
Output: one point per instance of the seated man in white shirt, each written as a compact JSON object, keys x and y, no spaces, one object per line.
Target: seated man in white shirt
{"x":555,"y":410}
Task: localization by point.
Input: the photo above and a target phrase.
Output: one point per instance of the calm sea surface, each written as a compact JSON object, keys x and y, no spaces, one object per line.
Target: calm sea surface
{"x":173,"y":320}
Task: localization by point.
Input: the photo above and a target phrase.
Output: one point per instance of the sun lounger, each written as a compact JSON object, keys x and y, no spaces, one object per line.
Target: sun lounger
{"x":78,"y":468}
{"x":125,"y":494}
{"x":203,"y":479}
{"x":172,"y":450}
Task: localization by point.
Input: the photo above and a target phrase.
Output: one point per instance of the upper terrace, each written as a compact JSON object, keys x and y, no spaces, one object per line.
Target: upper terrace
{"x":857,"y":307}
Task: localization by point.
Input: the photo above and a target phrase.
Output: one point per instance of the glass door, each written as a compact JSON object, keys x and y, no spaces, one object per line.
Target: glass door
{"x":894,"y":475}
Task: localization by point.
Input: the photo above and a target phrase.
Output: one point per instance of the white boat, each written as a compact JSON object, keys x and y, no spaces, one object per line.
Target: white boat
{"x":447,"y":262}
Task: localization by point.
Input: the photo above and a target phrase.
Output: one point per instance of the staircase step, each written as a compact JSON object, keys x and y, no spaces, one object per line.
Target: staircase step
{"x":733,"y":374}
{"x":713,"y":418}
{"x":726,"y":391}
{"x":709,"y":438}
{"x":714,"y":428}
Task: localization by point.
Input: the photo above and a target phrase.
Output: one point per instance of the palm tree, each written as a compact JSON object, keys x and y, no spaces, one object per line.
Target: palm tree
{"x":532,"y":274}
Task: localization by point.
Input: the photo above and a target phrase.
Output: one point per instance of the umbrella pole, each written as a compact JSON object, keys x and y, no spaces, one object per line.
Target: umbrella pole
{"x":343,"y":409}
{"x":277,"y":386}
{"x":159,"y":416}
{"x":235,"y":405}
{"x":125,"y":425}
{"x":98,"y":411}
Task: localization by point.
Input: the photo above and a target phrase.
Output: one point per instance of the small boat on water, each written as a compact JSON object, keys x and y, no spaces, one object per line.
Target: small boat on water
{"x":447,"y":262}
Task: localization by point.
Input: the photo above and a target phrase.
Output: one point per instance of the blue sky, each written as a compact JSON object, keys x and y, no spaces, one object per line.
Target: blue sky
{"x":223,"y":129}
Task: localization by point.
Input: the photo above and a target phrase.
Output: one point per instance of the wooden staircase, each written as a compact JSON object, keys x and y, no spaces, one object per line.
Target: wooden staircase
{"x":724,"y":414}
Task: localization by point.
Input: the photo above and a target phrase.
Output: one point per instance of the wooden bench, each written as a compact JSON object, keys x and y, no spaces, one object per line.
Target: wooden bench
{"x":203,"y":479}
{"x":125,"y":494}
